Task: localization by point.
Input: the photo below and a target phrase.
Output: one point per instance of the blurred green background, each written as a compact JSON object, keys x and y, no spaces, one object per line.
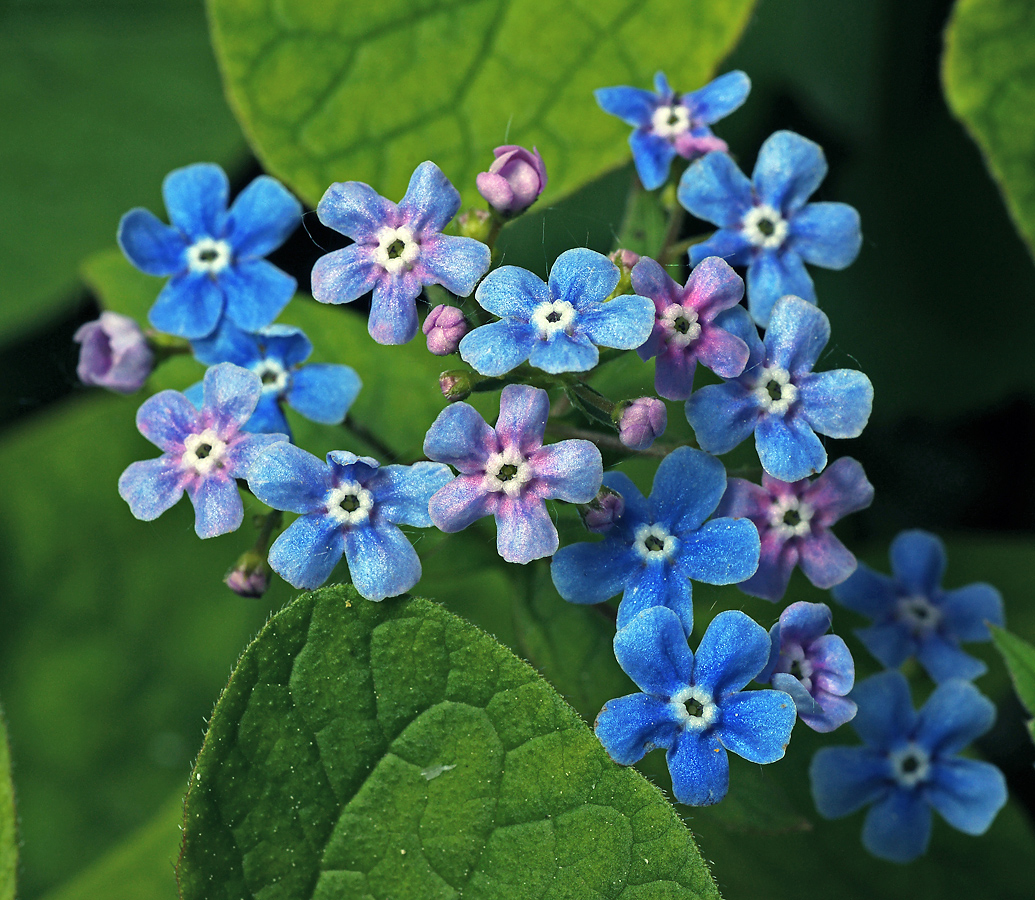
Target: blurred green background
{"x":116,"y":636}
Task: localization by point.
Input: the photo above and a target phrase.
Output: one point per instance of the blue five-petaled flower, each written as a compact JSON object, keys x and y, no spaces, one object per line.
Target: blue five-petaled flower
{"x":351,"y":505}
{"x":765,"y":224}
{"x":556,"y":326}
{"x":780,"y":398}
{"x":398,"y":249}
{"x":669,"y":125}
{"x":214,"y":255}
{"x":660,"y":543}
{"x":694,"y":705}
{"x":909,"y":763}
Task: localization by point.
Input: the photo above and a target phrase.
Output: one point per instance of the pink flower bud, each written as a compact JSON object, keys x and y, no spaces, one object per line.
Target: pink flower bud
{"x":600,"y":514}
{"x":113,"y":353}
{"x":250,"y":577}
{"x":444,"y":327}
{"x":641,"y":421}
{"x":514,"y":180}
{"x":625,"y":259}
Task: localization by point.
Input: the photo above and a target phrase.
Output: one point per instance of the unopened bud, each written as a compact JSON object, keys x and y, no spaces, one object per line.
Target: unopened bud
{"x":640,"y":421}
{"x":625,"y":260}
{"x":444,"y":327}
{"x":113,"y":353}
{"x":250,"y":577}
{"x":455,"y":385}
{"x":515,"y":179}
{"x":601,"y":513}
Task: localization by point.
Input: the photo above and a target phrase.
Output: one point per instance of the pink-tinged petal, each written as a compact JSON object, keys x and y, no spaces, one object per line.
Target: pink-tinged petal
{"x":713,"y":286}
{"x":832,"y":663}
{"x":834,"y":711}
{"x":430,"y":201}
{"x":151,"y":487}
{"x":356,"y":210}
{"x":674,"y":372}
{"x":842,"y":489}
{"x":464,"y":500}
{"x":460,"y":437}
{"x":393,"y":309}
{"x":525,"y":530}
{"x":802,"y":623}
{"x":724,"y":353}
{"x":522,"y":419}
{"x":824,"y":559}
{"x":231,"y":395}
{"x":457,"y":263}
{"x":743,"y":500}
{"x":166,"y":419}
{"x":649,"y":279}
{"x":345,"y":275}
{"x":217,"y":505}
{"x":776,"y":561}
{"x":569,"y":470}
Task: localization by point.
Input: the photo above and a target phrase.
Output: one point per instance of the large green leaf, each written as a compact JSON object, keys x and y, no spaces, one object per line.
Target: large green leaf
{"x":989,"y":75}
{"x":334,"y":91}
{"x":1019,"y":657}
{"x":391,"y":750}
{"x":8,"y":822}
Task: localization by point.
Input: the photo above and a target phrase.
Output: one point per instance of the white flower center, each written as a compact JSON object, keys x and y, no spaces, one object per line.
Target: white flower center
{"x":680,"y":324}
{"x":508,"y":471}
{"x":273,"y":375}
{"x":203,"y":452}
{"x":670,"y":121}
{"x":774,"y":390}
{"x":552,"y":316}
{"x":208,"y":255}
{"x":794,"y":662}
{"x":790,"y":517}
{"x":654,"y":543}
{"x":694,"y":708}
{"x":910,"y":765}
{"x":396,"y":249}
{"x":349,"y":503}
{"x":918,"y":613}
{"x":764,"y":227}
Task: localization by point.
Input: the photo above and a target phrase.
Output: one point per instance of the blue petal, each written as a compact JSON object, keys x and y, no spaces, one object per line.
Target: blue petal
{"x":356,"y":210}
{"x":323,"y":392}
{"x":290,"y":479}
{"x":393,"y":309}
{"x":653,"y":652}
{"x":497,"y":348}
{"x":662,"y":87}
{"x":827,"y":234}
{"x":788,"y":170}
{"x":890,"y":643}
{"x":734,"y":650}
{"x":256,"y":292}
{"x":836,"y":403}
{"x":700,"y":769}
{"x":228,"y":343}
{"x":845,"y":779}
{"x":886,"y":716}
{"x":522,"y":418}
{"x":166,"y":419}
{"x":714,"y":189}
{"x":307,"y":552}
{"x":402,"y":493}
{"x":151,"y":487}
{"x":217,"y":505}
{"x":757,"y":724}
{"x":570,"y":470}
{"x":656,"y":585}
{"x":512,"y":291}
{"x":625,"y":322}
{"x":687,"y":487}
{"x":722,"y":415}
{"x":722,"y":551}
{"x":804,"y":703}
{"x":592,"y":573}
{"x":345,"y":275}
{"x":653,"y":157}
{"x":564,"y":353}
{"x":788,"y":448}
{"x":942,"y":659}
{"x":966,"y":610}
{"x":195,"y":198}
{"x":524,"y":529}
{"x":773,"y":275}
{"x":246,"y":451}
{"x":867,"y":592}
{"x":631,"y":726}
{"x":968,"y":793}
{"x":954,"y":716}
{"x":268,"y":417}
{"x":286,"y":344}
{"x":188,"y":306}
{"x":637,"y":509}
{"x":381,"y":560}
{"x":632,"y":105}
{"x":459,"y":436}
{"x":195,"y":394}
{"x":430,"y":201}
{"x":460,"y":502}
{"x":261,"y":218}
{"x":231,"y":394}
{"x":918,"y":561}
{"x":718,"y":98}
{"x":457,"y":263}
{"x":150,"y":244}
{"x":728,"y":244}
{"x":898,"y":828}
{"x":582,"y":276}
{"x":796,"y":335}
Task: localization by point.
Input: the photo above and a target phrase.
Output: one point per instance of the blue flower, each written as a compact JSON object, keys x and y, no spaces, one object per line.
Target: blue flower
{"x":213,"y":255}
{"x":913,"y":616}
{"x":322,"y":392}
{"x":909,"y":763}
{"x":556,"y":327}
{"x":658,"y":545}
{"x":766,"y":224}
{"x":397,"y":250}
{"x":206,"y":451}
{"x":694,"y":706}
{"x":780,"y":398}
{"x":668,"y":125}
{"x":814,"y":667}
{"x":349,"y":506}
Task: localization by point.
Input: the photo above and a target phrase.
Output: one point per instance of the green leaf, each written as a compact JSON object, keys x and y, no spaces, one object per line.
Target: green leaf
{"x":987,"y":71}
{"x":332,"y":91}
{"x":1019,"y":657}
{"x":8,"y":820}
{"x":393,"y":750}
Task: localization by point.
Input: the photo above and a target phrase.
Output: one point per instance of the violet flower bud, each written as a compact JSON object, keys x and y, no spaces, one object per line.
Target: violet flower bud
{"x":625,"y":260}
{"x":600,"y":514}
{"x":455,"y":384}
{"x":250,"y":576}
{"x":514,"y":180}
{"x":113,"y":353}
{"x":640,"y":422}
{"x":444,"y":327}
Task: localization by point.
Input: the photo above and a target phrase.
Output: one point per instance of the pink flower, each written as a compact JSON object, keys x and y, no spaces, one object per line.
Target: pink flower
{"x":514,"y":180}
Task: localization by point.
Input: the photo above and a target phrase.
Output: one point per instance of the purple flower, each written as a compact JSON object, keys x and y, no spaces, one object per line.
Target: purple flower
{"x":669,"y":125}
{"x":694,"y":706}
{"x":793,"y":521}
{"x":689,"y":324}
{"x":555,"y":327}
{"x":514,"y":180}
{"x":780,"y":398}
{"x":508,"y":473}
{"x":397,"y":250}
{"x":661,"y":543}
{"x":350,"y":506}
{"x":213,"y":255}
{"x":113,"y":353}
{"x":444,"y":327}
{"x":814,"y":667}
{"x":766,"y":224}
{"x":913,"y":616}
{"x":206,"y":450}
{"x":641,"y":421}
{"x":909,"y":764}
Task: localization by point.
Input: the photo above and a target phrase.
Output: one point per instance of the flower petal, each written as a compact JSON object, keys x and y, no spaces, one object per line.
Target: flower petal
{"x":217,"y":505}
{"x":228,"y":343}
{"x":943,"y":659}
{"x":656,"y":585}
{"x":356,"y":210}
{"x":150,"y":244}
{"x":722,"y":551}
{"x":674,"y":372}
{"x":867,"y":592}
{"x":188,"y":306}
{"x":845,"y":779}
{"x":287,"y":477}
{"x":802,"y":623}
{"x":722,"y":416}
{"x":918,"y":561}
{"x":323,"y":392}
{"x":231,"y":394}
{"x":898,"y":828}
{"x":777,"y":559}
{"x":564,"y":353}
{"x":757,"y":724}
{"x":687,"y":487}
{"x":460,"y":502}
{"x":718,"y":98}
{"x":966,"y":610}
{"x":166,"y":419}
{"x":402,"y":493}
{"x":773,"y":275}
{"x":286,"y":344}
{"x":968,"y":793}
{"x":245,"y":450}
{"x":832,"y":664}
{"x":195,"y":198}
{"x":653,"y":652}
{"x":796,"y":335}
{"x":653,"y":157}
{"x":152,"y":486}
{"x":569,"y":470}
{"x":256,"y":292}
{"x":888,"y":642}
{"x":268,"y":417}
{"x":457,"y":263}
{"x":261,"y":218}
{"x":649,"y":279}
{"x":522,"y":418}
{"x":788,"y":448}
{"x":728,"y":244}
{"x":700,"y":768}
{"x":460,"y":436}
{"x":393,"y":309}
{"x":955,"y":715}
{"x":430,"y":201}
{"x":886,"y":714}
{"x":713,"y":286}
{"x":308,"y":550}
{"x":788,"y":170}
{"x":714,"y":189}
{"x":498,"y":347}
{"x":592,"y":573}
{"x":524,"y":529}
{"x":632,"y":725}
{"x":834,"y":711}
{"x":734,"y":650}
{"x":842,"y":489}
{"x":581,"y":276}
{"x":381,"y":560}
{"x":827,"y":234}
{"x":512,"y":291}
{"x":632,"y":105}
{"x":824,"y":559}
{"x":345,"y":275}
{"x":625,"y":322}
{"x":836,"y":403}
